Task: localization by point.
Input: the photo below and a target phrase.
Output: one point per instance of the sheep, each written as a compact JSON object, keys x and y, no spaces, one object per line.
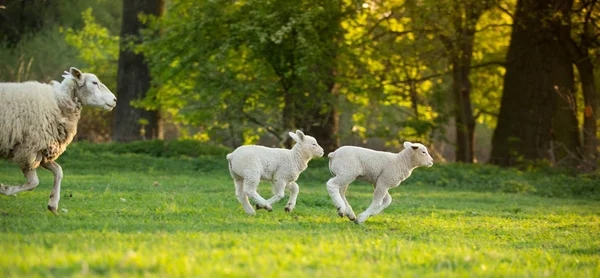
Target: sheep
{"x":248,"y":165}
{"x":38,"y":121}
{"x":382,"y":169}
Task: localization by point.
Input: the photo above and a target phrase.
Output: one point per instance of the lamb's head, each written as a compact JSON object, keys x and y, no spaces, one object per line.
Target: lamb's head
{"x":419,"y":154}
{"x":307,"y":144}
{"x":90,"y":90}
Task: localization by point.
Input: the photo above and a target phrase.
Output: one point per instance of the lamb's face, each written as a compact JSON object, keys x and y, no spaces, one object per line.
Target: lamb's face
{"x":92,"y":92}
{"x":420,"y":155}
{"x":307,"y":143}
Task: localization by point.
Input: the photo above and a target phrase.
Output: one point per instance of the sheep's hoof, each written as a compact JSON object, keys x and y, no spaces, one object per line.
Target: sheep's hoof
{"x":287,"y":209}
{"x":352,"y":218}
{"x":340,"y":213}
{"x":269,"y":209}
{"x":52,"y":209}
{"x":257,"y":207}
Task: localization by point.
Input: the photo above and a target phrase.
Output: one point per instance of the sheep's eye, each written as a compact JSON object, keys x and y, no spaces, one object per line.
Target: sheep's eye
{"x":94,"y":82}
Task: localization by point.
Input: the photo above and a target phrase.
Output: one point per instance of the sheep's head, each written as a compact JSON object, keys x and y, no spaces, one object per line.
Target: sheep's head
{"x":90,"y":90}
{"x":307,"y":144}
{"x":419,"y":154}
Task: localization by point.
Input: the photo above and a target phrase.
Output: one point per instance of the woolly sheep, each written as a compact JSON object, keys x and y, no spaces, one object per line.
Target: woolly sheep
{"x":248,"y":165}
{"x":38,"y":121}
{"x":382,"y":169}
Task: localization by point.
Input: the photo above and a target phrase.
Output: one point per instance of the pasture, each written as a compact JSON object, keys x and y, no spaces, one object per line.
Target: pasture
{"x":152,"y":214}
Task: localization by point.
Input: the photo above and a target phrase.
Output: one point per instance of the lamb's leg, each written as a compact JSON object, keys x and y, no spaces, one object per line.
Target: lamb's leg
{"x":58,"y":175}
{"x":348,"y":212}
{"x":278,"y":189}
{"x":294,"y":189}
{"x":250,"y":186}
{"x":333,"y":188}
{"x":387,"y":200}
{"x":378,"y":196}
{"x":32,"y":183}
{"x":242,"y":197}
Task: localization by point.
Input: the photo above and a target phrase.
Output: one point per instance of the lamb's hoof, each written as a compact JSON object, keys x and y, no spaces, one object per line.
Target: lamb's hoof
{"x":287,"y":209}
{"x":352,"y":218}
{"x":340,"y":213}
{"x":269,"y":209}
{"x":257,"y":207}
{"x":52,"y":209}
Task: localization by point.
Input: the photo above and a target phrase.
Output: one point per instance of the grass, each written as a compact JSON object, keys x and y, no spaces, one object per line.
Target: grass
{"x":139,"y":215}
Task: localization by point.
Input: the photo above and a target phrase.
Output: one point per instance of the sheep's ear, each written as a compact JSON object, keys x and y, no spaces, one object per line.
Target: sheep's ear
{"x":75,"y":73}
{"x":415,"y":147}
{"x":294,"y":136}
{"x":300,"y":135}
{"x":407,"y":145}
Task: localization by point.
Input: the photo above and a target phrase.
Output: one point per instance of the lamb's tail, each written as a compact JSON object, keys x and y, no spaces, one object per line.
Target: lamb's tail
{"x":331,"y":155}
{"x":229,"y":156}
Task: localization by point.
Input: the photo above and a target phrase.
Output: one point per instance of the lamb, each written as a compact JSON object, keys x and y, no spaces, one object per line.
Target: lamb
{"x":38,"y":121}
{"x":382,"y":169}
{"x":248,"y":165}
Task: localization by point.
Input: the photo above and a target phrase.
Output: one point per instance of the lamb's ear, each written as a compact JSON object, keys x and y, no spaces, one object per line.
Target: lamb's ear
{"x":75,"y":73}
{"x":407,"y":145}
{"x":294,"y":136}
{"x":300,"y":135}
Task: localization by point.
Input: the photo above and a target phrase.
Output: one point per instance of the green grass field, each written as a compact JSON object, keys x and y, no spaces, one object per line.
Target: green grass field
{"x":141,"y":215}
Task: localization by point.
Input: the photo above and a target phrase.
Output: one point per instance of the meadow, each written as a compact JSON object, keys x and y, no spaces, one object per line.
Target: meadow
{"x":150,"y":210}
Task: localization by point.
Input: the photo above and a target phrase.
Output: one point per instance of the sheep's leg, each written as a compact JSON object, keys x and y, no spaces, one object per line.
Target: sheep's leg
{"x":333,"y":188}
{"x":278,"y":189}
{"x":58,"y":175}
{"x":387,"y":200}
{"x":378,"y":196}
{"x":242,"y":197}
{"x":250,"y":186}
{"x":294,"y":189}
{"x":32,"y":183}
{"x":348,"y":212}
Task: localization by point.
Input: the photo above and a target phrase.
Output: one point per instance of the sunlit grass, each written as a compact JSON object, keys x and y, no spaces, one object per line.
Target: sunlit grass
{"x":135,"y":215}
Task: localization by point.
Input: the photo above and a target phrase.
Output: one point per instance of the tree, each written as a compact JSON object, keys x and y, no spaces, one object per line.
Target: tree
{"x":255,"y":66}
{"x":535,"y":112}
{"x":578,"y":43}
{"x":133,"y":76}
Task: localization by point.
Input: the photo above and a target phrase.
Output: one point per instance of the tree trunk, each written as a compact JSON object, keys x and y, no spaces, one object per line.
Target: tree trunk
{"x":461,"y":51}
{"x":463,"y":112}
{"x":324,"y":127}
{"x":590,"y":139}
{"x":133,"y":77}
{"x":537,"y":65}
{"x":581,"y":59}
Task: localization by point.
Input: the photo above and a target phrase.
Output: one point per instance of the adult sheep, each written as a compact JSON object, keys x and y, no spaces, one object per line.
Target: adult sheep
{"x":38,"y":121}
{"x":382,"y":169}
{"x":249,"y":165}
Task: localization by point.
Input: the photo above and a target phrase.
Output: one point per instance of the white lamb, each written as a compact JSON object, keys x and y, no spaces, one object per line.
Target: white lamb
{"x":382,"y":169}
{"x":38,"y":121}
{"x":249,"y":165}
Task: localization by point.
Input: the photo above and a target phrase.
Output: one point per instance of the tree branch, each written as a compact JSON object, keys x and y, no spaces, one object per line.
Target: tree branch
{"x":491,"y":63}
{"x":266,"y":126}
{"x":494,"y":25}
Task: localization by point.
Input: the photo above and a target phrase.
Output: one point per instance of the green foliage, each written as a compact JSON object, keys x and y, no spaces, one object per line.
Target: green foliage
{"x":44,"y":54}
{"x":155,"y":148}
{"x":139,"y":215}
{"x":97,"y":48}
{"x":247,"y":58}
